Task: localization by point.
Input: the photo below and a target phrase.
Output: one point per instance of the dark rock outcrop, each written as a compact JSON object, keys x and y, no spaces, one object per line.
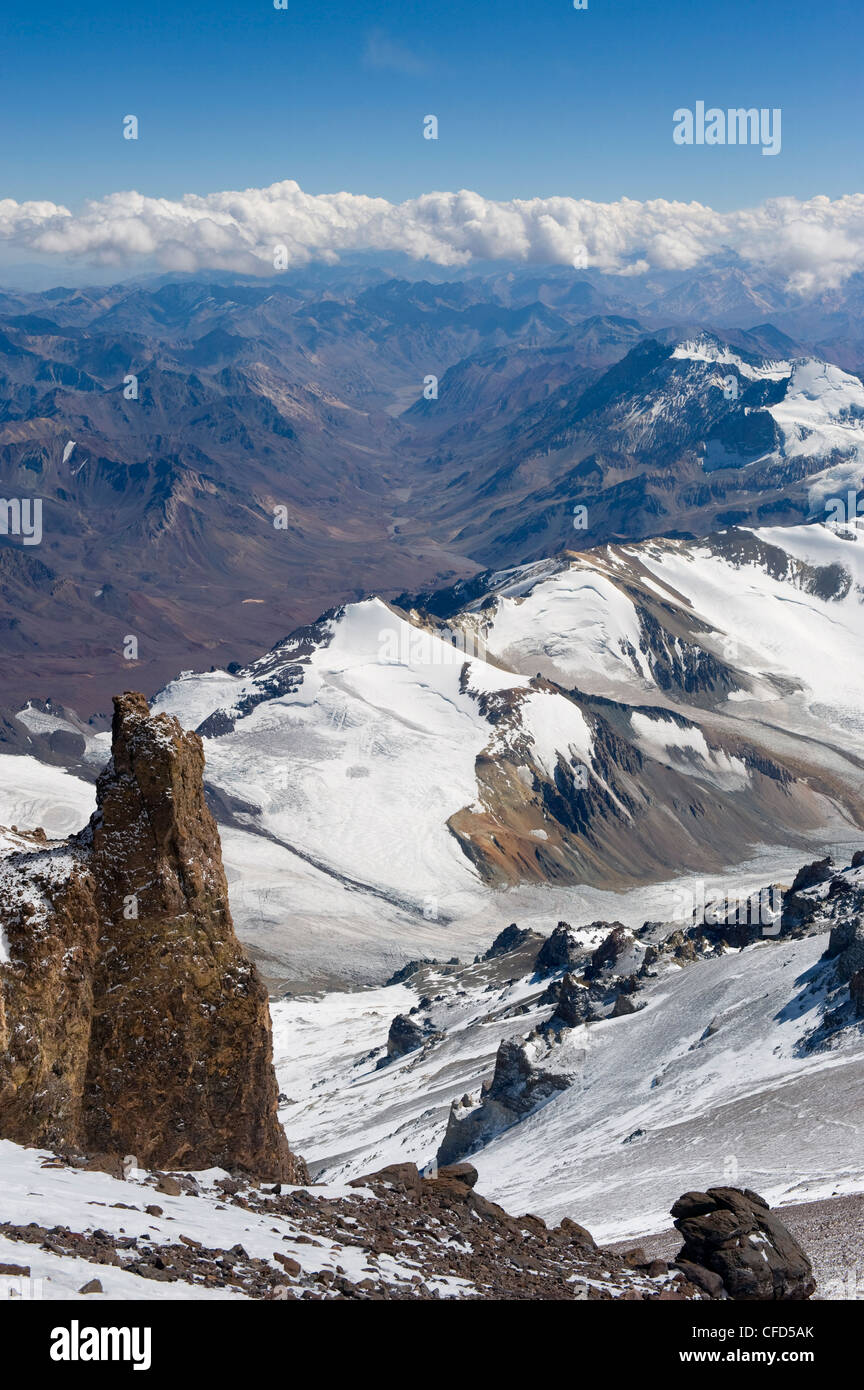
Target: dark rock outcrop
{"x":573,"y":1005}
{"x":811,"y":874}
{"x":846,"y":947}
{"x":520,"y":1084}
{"x":131,"y":1019}
{"x":407,"y":970}
{"x":508,"y":940}
{"x":731,"y":1236}
{"x":563,"y":950}
{"x":612,"y":949}
{"x":405,"y":1036}
{"x":404,"y":1177}
{"x":460,"y":1172}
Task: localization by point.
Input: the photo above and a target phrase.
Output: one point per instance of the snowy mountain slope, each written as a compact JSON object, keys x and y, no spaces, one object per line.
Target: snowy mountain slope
{"x":821,"y":417}
{"x":398,"y":770}
{"x":308,"y":924}
{"x":65,"y":728}
{"x":738,"y":1103}
{"x":714,"y":1078}
{"x":384,"y":775}
{"x":386,"y":781}
{"x":682,"y":436}
{"x":354,"y":744}
{"x":801,"y":412}
{"x":763,"y":627}
{"x":143,"y":1222}
{"x":68,"y":1231}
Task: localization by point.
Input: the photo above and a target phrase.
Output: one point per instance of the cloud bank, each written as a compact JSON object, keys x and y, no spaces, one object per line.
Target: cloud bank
{"x":812,"y":245}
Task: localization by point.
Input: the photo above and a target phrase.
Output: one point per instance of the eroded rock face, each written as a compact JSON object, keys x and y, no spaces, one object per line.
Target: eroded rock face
{"x":846,"y":947}
{"x":573,"y":1005}
{"x":405,"y":1035}
{"x":508,"y":940}
{"x":563,"y":950}
{"x":618,"y":946}
{"x":131,"y":1020}
{"x":519,"y":1085}
{"x":734,"y":1244}
{"x":811,"y":874}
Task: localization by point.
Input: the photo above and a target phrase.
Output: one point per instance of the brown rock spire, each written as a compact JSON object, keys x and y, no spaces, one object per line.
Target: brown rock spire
{"x":148,"y":1030}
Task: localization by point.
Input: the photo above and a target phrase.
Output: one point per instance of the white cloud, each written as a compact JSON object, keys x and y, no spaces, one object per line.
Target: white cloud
{"x":813,"y":245}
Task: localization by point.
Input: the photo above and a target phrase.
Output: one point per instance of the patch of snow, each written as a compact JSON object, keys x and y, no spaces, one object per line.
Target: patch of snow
{"x":36,"y":794}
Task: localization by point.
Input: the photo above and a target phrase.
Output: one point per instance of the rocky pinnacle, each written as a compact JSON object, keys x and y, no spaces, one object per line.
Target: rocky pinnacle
{"x":131,"y":1020}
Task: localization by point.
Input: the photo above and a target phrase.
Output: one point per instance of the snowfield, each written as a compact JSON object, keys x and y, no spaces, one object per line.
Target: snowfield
{"x":738,"y":1107}
{"x":706,"y":1085}
{"x":350,"y":770}
{"x":820,"y":415}
{"x":35,"y":794}
{"x":382,"y":734}
{"x":363,"y":748}
{"x":581,"y":622}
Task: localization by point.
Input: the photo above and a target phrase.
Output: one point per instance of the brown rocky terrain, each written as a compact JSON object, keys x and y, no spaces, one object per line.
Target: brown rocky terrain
{"x":734,"y":1243}
{"x":131,"y":1020}
{"x":398,"y":1236}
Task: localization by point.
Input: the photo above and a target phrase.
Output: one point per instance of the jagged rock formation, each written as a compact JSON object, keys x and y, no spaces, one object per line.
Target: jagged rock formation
{"x":406,"y":1035}
{"x":572,"y":1004}
{"x":811,"y":874}
{"x":131,"y":1020}
{"x":509,"y":940}
{"x":520,"y":1084}
{"x":562,"y":950}
{"x":615,"y":955}
{"x":411,"y":967}
{"x":846,"y":948}
{"x":735,"y":1247}
{"x":585,"y":981}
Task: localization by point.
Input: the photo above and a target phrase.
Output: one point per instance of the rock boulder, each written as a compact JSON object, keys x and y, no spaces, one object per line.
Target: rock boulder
{"x":730,"y":1234}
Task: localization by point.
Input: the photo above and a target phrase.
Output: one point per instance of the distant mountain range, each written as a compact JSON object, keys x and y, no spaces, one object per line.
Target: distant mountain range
{"x":221,"y":461}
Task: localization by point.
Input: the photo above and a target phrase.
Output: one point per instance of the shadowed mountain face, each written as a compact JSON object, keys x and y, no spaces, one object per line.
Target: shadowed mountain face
{"x":218,"y":463}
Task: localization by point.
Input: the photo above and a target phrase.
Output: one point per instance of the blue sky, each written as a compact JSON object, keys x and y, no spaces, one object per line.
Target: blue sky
{"x":533,"y":99}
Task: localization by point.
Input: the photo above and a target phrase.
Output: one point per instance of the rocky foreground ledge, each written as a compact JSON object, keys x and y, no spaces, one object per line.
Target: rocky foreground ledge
{"x":392,"y":1235}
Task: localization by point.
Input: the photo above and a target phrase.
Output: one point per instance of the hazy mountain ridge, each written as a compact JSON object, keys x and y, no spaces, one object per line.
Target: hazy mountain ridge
{"x":288,"y":399}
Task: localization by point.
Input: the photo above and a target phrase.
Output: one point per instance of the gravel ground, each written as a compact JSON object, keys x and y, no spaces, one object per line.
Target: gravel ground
{"x":831,"y":1231}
